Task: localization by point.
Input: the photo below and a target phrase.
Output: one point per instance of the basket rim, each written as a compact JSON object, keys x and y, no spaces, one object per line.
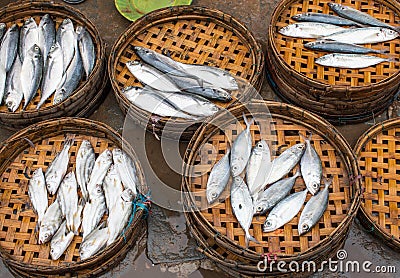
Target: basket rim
{"x":392,"y":4}
{"x":368,"y":135}
{"x":99,"y":65}
{"x":175,"y":13}
{"x":350,"y":162}
{"x":119,"y":142}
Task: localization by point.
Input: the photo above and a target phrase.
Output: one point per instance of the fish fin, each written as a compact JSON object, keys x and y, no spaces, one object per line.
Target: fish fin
{"x":37,"y":227}
{"x":250,"y":238}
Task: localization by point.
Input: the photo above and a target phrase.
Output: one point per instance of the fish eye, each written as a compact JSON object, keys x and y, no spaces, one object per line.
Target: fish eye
{"x":52,"y":250}
{"x":260,"y":145}
{"x":315,"y":185}
{"x":268,"y":223}
{"x":214,"y":195}
{"x":259,"y":208}
{"x":305,"y":227}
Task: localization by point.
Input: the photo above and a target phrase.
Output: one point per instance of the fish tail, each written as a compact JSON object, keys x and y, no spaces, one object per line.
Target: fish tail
{"x":69,"y":139}
{"x":37,"y":227}
{"x":306,"y":138}
{"x":393,"y":59}
{"x":384,"y":50}
{"x":327,"y":182}
{"x":250,"y":238}
{"x":247,"y":122}
{"x":298,"y":173}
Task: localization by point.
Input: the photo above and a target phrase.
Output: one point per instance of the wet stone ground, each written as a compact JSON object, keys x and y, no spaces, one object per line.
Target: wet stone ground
{"x":172,"y":251}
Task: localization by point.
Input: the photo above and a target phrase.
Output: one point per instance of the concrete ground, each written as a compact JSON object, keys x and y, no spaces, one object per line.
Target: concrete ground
{"x":255,"y":14}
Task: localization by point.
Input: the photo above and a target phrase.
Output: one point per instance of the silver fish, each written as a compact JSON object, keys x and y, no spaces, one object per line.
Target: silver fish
{"x":53,"y":73}
{"x":188,"y":103}
{"x":164,"y":64}
{"x":325,"y":18}
{"x":218,"y":178}
{"x":51,"y":221}
{"x":284,"y":163}
{"x":189,"y":85}
{"x":86,"y":48}
{"x":152,"y":77}
{"x":72,"y":77}
{"x":119,"y":215}
{"x":68,"y":199}
{"x":363,"y":35}
{"x":3,"y":29}
{"x":258,"y":167}
{"x":274,"y":194}
{"x":93,"y":211}
{"x":31,"y":74}
{"x":126,"y":169}
{"x":99,"y":171}
{"x":153,"y":103}
{"x":340,"y":47}
{"x":241,"y":149}
{"x":58,"y":168}
{"x":94,"y":242}
{"x":85,"y":160}
{"x":309,"y":30}
{"x":3,"y":81}
{"x":311,"y":167}
{"x":242,"y":206}
{"x":212,"y":76}
{"x":314,"y":209}
{"x":29,"y":36}
{"x":112,"y":187}
{"x":67,"y":39}
{"x":358,"y":16}
{"x":9,"y":47}
{"x":38,"y":194}
{"x":46,"y":35}
{"x":350,"y":61}
{"x":14,"y":93}
{"x":284,"y":211}
{"x":60,"y":241}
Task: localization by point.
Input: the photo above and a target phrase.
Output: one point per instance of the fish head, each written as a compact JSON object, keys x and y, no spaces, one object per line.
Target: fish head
{"x":212,"y":196}
{"x":387,"y":34}
{"x":223,"y":95}
{"x":54,"y":50}
{"x":134,"y":65}
{"x":127,"y":195}
{"x":79,"y":29}
{"x":314,"y":187}
{"x":235,"y":169}
{"x":84,"y":250}
{"x":37,"y":173}
{"x":35,"y":52}
{"x":67,"y":25}
{"x":29,"y":23}
{"x":14,"y":28}
{"x":271,"y":224}
{"x":141,"y":51}
{"x":298,"y":149}
{"x":60,"y":95}
{"x":261,"y":207}
{"x":46,"y":20}
{"x":51,"y":185}
{"x":336,"y":7}
{"x":261,"y":147}
{"x":56,"y":250}
{"x":11,"y":103}
{"x":304,"y":226}
{"x":288,"y":30}
{"x":44,"y":234}
{"x":312,"y":44}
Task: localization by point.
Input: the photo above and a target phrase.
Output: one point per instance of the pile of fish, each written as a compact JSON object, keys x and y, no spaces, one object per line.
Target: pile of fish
{"x":265,"y":188}
{"x":174,"y":89}
{"x":107,"y":185}
{"x":36,"y":58}
{"x":343,"y":42}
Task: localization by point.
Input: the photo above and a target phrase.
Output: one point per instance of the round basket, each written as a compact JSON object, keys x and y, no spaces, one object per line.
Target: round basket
{"x":18,"y":158}
{"x":378,"y":156}
{"x":337,"y":94}
{"x":81,"y":101}
{"x":192,"y":35}
{"x":216,"y":228}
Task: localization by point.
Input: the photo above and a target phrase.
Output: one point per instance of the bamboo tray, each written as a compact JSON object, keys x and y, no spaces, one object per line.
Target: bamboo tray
{"x":193,"y":35}
{"x":18,"y":241}
{"x":378,"y":155}
{"x":87,"y":90}
{"x":217,"y":228}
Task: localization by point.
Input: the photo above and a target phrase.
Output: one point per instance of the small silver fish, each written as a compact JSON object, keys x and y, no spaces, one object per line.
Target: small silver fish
{"x":325,"y":18}
{"x":258,"y":167}
{"x":274,"y":194}
{"x":67,"y":39}
{"x":58,"y":168}
{"x":284,"y":211}
{"x":218,"y":178}
{"x":51,"y":221}
{"x":46,"y":35}
{"x":68,"y":199}
{"x":340,"y":47}
{"x":9,"y":47}
{"x":309,"y":30}
{"x":38,"y":194}
{"x":85,"y":161}
{"x":119,"y":215}
{"x":126,"y":169}
{"x":60,"y":241}
{"x":31,"y":73}
{"x":112,"y":187}
{"x":241,"y":149}
{"x":350,"y":61}
{"x":284,"y":163}
{"x":3,"y":29}
{"x":311,"y":167}
{"x":99,"y":172}
{"x":363,"y":35}
{"x":29,"y":36}
{"x":14,"y":93}
{"x":242,"y":206}
{"x":94,"y":242}
{"x":86,"y":48}
{"x":314,"y":209}
{"x":93,"y":211}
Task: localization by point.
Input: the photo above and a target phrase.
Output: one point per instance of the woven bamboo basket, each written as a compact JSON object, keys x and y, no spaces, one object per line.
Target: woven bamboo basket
{"x":378,"y":156}
{"x":334,"y":89}
{"x":193,"y":35}
{"x":216,"y":228}
{"x":18,"y":159}
{"x":87,"y":90}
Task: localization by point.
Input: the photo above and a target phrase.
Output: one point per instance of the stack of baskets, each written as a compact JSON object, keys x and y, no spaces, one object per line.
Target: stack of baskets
{"x":35,"y":147}
{"x":219,"y":235}
{"x":88,"y":94}
{"x":190,"y":35}
{"x":339,"y":95}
